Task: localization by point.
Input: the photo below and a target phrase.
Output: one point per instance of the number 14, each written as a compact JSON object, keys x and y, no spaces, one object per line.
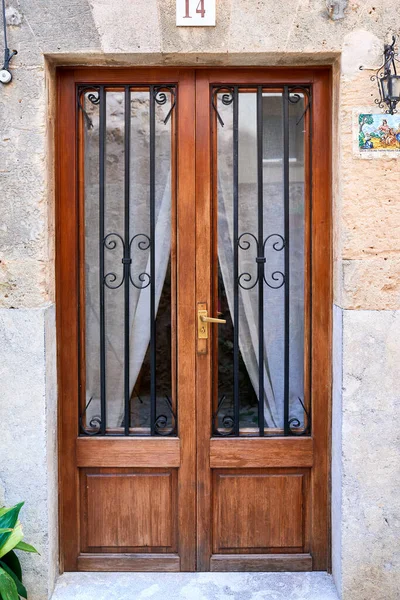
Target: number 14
{"x":200,"y":9}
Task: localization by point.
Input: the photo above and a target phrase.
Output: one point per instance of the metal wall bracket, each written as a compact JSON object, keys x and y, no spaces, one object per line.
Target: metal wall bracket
{"x":5,"y":73}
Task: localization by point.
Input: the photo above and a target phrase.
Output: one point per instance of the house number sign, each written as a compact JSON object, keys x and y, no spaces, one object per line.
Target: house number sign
{"x":195,"y":13}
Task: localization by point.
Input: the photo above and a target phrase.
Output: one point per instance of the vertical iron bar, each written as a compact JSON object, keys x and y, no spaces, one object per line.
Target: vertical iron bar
{"x":127,"y":258}
{"x":236,"y":406}
{"x":287,"y":264}
{"x":102,"y":141}
{"x":152,"y":265}
{"x":261,"y":261}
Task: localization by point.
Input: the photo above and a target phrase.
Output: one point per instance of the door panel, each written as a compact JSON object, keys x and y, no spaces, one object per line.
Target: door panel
{"x":114,"y":526}
{"x":262,"y":198}
{"x":271,"y":506}
{"x":126,"y":321}
{"x":178,"y":190}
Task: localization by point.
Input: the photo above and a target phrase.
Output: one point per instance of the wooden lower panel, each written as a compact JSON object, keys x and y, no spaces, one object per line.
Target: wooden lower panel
{"x":129,"y":562}
{"x":261,"y":562}
{"x":129,"y":510}
{"x":259,"y":511}
{"x":261,"y":452}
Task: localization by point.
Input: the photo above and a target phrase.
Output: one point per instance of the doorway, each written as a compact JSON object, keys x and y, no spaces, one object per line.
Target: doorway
{"x":194,"y":308}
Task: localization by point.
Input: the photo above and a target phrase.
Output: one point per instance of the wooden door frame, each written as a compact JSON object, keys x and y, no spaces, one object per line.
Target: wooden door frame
{"x":321,"y":319}
{"x":175,"y":452}
{"x":196,"y":388}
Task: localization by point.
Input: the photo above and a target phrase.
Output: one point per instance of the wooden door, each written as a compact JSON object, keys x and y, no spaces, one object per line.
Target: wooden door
{"x":127,"y":452}
{"x":263,"y":266}
{"x":186,"y":194}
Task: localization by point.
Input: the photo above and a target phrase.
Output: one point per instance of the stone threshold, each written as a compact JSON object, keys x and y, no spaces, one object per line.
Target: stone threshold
{"x":195,"y":586}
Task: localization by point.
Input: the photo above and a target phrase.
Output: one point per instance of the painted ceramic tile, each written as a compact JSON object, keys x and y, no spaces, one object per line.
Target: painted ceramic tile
{"x":379,"y":132}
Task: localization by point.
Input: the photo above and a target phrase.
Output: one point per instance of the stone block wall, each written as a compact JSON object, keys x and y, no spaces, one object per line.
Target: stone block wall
{"x":28,"y":438}
{"x":345,"y":34}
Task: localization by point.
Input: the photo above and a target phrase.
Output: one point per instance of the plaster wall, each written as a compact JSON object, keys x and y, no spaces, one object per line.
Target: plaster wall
{"x":366,"y":509}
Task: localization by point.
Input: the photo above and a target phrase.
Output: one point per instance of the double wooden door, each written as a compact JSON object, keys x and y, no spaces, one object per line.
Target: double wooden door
{"x":193,"y":312}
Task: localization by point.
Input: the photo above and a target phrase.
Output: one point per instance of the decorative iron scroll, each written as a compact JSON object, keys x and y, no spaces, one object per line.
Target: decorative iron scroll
{"x":294,"y":97}
{"x":161,"y":98}
{"x":226,"y":99}
{"x":228,"y":421}
{"x":110,"y":242}
{"x":277,"y":276}
{"x":295,"y":424}
{"x":161,"y":422}
{"x":94,"y":423}
{"x":93,"y":95}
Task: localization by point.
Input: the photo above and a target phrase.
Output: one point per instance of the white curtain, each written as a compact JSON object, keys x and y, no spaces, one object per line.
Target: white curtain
{"x":248,"y":317}
{"x":139,"y":305}
{"x":140,"y":312}
{"x":140,"y":297}
{"x":273,"y":221}
{"x":139,"y":316}
{"x":139,"y":337}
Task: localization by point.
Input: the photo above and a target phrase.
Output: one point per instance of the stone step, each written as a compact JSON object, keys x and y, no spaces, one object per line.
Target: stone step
{"x":195,"y":586}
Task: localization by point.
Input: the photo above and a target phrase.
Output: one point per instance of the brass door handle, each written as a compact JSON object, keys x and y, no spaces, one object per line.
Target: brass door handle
{"x":205,"y":319}
{"x":202,"y":321}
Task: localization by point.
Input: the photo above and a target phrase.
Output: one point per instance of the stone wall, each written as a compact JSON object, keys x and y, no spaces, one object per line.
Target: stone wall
{"x":346,"y":34}
{"x":28,"y":442}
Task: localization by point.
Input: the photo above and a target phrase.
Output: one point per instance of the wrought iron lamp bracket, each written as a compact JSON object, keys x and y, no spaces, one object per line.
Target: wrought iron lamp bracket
{"x":5,"y":73}
{"x":384,"y":74}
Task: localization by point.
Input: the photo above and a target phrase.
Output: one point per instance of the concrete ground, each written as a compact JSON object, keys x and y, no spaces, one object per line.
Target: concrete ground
{"x":195,"y":586}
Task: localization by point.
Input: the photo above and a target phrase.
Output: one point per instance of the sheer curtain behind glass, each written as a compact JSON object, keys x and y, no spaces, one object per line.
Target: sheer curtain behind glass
{"x":273,"y":225}
{"x":139,"y":217}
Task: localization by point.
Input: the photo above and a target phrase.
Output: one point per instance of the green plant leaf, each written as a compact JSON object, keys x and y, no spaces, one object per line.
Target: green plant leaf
{"x":8,"y":589}
{"x":26,"y":547}
{"x":12,"y":561}
{"x":14,"y":538}
{"x":2,"y":530}
{"x":20,"y":588}
{"x":8,"y":520}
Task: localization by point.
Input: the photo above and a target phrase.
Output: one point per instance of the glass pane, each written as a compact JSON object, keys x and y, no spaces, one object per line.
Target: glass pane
{"x":140,"y":232}
{"x":223,"y":403}
{"x":247,"y":267}
{"x":247,"y":207}
{"x":113,"y":253}
{"x":261,"y":215}
{"x":274,"y":289}
{"x":297,"y":260}
{"x":90,"y":350}
{"x":138,"y":279}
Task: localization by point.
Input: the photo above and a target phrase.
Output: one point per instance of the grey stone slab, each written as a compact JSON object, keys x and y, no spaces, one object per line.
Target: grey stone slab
{"x":195,"y":586}
{"x":336,"y":464}
{"x":370,"y":511}
{"x":28,"y":416}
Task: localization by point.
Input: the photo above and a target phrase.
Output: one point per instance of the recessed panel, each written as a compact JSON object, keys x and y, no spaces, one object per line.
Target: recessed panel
{"x":129,"y":510}
{"x":259,"y":512}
